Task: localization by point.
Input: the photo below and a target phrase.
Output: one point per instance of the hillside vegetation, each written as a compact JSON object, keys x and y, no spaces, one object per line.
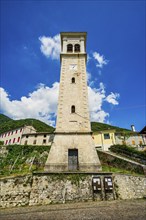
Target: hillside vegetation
{"x":7,"y":125}
{"x":4,"y":118}
{"x":97,"y":126}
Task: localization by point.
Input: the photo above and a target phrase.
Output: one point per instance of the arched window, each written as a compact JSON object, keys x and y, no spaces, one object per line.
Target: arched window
{"x":69,"y":48}
{"x":77,"y":48}
{"x":73,"y":80}
{"x":73,"y":109}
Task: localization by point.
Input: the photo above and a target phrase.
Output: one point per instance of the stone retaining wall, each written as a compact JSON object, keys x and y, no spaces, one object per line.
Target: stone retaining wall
{"x":129,"y":187}
{"x":60,"y":188}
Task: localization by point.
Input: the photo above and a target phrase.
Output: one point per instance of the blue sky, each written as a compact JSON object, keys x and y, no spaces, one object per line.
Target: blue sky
{"x":30,"y":66}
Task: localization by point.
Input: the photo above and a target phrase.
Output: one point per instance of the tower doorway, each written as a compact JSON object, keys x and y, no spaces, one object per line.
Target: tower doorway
{"x":73,"y":159}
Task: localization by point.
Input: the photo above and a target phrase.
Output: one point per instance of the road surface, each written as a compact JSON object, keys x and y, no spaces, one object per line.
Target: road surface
{"x":113,"y":210}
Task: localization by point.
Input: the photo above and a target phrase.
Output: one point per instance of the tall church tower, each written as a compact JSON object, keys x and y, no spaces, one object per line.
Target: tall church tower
{"x":73,"y":148}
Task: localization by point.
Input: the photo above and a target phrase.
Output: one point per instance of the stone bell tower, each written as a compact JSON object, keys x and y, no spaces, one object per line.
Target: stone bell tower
{"x":73,"y":148}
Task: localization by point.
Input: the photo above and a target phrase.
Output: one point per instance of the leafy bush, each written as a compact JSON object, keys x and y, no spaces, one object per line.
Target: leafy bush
{"x":1,"y":143}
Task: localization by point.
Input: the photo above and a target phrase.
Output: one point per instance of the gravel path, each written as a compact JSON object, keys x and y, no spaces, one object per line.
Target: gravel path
{"x":113,"y":210}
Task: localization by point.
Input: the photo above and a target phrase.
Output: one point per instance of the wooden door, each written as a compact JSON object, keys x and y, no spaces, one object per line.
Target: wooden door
{"x":73,"y":159}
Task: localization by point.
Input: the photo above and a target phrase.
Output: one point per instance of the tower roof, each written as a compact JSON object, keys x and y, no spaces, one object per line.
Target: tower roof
{"x":73,"y":33}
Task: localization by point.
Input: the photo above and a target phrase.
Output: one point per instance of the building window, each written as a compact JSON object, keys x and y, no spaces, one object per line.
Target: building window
{"x":35,"y":135}
{"x":73,"y":80}
{"x":9,"y":141}
{"x":69,"y":48}
{"x":11,"y":132}
{"x":25,"y":143}
{"x":133,"y":142}
{"x":14,"y":140}
{"x":8,"y":133}
{"x":73,"y":109}
{"x":77,"y":48}
{"x":18,"y":139}
{"x":107,"y":136}
{"x":34,"y":142}
{"x":16,"y":132}
{"x":6,"y":142}
{"x":140,"y":142}
{"x":45,"y":135}
{"x":44,"y":141}
{"x":26,"y":136}
{"x":21,"y":130}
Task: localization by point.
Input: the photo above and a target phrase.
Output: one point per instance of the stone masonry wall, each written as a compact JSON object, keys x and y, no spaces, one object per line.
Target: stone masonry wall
{"x":15,"y":191}
{"x":129,"y":187}
{"x":60,"y":188}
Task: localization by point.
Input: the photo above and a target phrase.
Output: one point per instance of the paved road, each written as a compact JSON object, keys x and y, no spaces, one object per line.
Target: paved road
{"x":113,"y":210}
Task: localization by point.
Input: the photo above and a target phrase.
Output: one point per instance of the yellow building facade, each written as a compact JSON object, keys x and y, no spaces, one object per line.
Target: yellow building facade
{"x":104,"y":139}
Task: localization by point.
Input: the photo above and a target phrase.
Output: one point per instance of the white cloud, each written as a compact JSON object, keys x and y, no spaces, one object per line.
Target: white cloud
{"x":50,"y":46}
{"x":89,"y":81}
{"x":88,"y":76}
{"x":88,"y":58}
{"x":40,"y":104}
{"x":96,"y":99}
{"x":112,"y":98}
{"x":101,"y":61}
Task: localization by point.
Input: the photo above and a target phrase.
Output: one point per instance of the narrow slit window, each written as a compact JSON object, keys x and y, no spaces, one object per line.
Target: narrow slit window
{"x":73,"y":80}
{"x":73,"y":109}
{"x":77,"y":48}
{"x":69,"y":48}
